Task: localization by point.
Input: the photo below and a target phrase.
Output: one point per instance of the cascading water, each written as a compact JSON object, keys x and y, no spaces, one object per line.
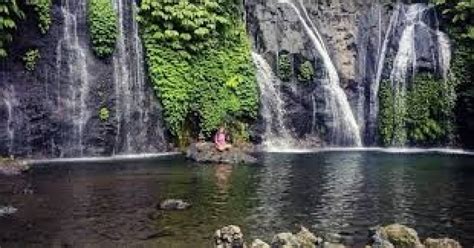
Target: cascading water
{"x":71,"y":62}
{"x":277,"y":136}
{"x":344,"y":129}
{"x":10,"y":102}
{"x":135,"y":132}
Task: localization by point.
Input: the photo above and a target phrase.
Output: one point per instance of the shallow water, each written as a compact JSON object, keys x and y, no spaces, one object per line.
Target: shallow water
{"x":110,"y":204}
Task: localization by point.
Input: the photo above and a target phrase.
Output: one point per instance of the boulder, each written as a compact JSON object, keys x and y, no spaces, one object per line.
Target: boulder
{"x":174,"y":204}
{"x":285,"y":240}
{"x":229,"y":237}
{"x":441,"y":243}
{"x":7,"y":210}
{"x":307,"y":239}
{"x":259,"y":244}
{"x":395,"y":235}
{"x":207,"y":153}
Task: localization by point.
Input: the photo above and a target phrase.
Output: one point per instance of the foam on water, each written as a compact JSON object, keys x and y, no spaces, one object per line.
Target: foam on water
{"x":378,"y":149}
{"x":127,"y":157}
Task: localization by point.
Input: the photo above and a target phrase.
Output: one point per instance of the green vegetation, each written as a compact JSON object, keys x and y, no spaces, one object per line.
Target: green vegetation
{"x":306,"y":72}
{"x":459,"y":13}
{"x":10,"y":13}
{"x":199,"y":62}
{"x":43,"y":10}
{"x":421,"y":116}
{"x":104,"y":114}
{"x":285,"y":70}
{"x":459,"y":22}
{"x":102,"y":21}
{"x":31,"y":58}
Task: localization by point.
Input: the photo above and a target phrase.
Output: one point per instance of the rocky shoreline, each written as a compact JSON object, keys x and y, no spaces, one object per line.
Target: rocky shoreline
{"x":205,"y":152}
{"x":12,"y":167}
{"x":391,"y":236}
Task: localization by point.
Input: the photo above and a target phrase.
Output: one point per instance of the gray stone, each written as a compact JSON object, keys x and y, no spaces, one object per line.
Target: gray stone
{"x":285,"y":240}
{"x":174,"y":204}
{"x":441,"y":243}
{"x":307,"y":239}
{"x":399,"y":236}
{"x":229,"y":237}
{"x":257,"y":243}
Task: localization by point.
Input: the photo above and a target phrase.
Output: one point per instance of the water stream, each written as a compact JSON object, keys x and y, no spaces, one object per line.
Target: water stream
{"x":71,"y":62}
{"x":277,"y":135}
{"x":344,"y":130}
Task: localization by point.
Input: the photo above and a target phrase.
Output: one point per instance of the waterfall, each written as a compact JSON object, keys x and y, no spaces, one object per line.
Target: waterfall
{"x":135,"y":132}
{"x":345,"y":130}
{"x":72,"y":51}
{"x":405,"y":67}
{"x":277,"y":136}
{"x":10,"y":103}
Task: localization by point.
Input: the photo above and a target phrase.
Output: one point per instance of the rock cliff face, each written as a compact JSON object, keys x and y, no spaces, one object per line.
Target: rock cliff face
{"x":53,"y":111}
{"x":362,"y":38}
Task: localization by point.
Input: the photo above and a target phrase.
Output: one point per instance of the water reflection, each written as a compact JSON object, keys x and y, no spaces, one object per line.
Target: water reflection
{"x":112,"y":205}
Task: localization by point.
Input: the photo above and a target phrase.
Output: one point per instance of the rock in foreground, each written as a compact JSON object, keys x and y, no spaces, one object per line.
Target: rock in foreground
{"x":207,"y":153}
{"x":12,"y":167}
{"x":229,"y":237}
{"x":174,"y":204}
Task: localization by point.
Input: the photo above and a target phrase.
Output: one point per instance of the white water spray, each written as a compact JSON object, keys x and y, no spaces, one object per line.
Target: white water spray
{"x":75,"y":55}
{"x":277,"y":136}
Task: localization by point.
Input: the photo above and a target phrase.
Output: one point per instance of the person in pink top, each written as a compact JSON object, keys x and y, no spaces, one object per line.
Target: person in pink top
{"x":220,"y":140}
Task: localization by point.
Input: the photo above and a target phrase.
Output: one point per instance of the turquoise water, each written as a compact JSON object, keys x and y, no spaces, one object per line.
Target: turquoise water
{"x":110,"y":204}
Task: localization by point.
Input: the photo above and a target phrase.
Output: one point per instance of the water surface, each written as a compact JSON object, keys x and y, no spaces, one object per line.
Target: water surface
{"x":110,"y":204}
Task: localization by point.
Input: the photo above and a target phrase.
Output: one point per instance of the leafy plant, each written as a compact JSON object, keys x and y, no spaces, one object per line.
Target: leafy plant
{"x":10,"y":13}
{"x":104,"y":114}
{"x":421,"y":116}
{"x":43,"y":10}
{"x":306,"y":72}
{"x":188,"y":26}
{"x":203,"y":78}
{"x":460,"y":13}
{"x":285,"y":69}
{"x":30,"y":59}
{"x":102,"y":21}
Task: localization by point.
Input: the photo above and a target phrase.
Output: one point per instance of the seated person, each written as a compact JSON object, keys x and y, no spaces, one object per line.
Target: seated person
{"x":220,"y":140}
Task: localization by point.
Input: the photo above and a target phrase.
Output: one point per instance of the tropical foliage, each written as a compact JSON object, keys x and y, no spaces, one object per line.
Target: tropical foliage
{"x":306,"y":72}
{"x":420,"y":116}
{"x":10,"y":13}
{"x":31,"y":58}
{"x":102,"y":21}
{"x":285,"y":70}
{"x":43,"y":10}
{"x":199,"y":62}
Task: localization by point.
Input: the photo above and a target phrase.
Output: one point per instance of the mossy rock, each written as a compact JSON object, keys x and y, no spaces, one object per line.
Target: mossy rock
{"x":401,"y":236}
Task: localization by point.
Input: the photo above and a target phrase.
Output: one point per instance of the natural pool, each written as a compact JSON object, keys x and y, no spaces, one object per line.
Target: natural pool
{"x":110,"y":204}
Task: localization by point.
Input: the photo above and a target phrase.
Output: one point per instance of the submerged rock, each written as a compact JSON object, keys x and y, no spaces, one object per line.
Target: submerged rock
{"x":12,"y":167}
{"x":441,"y":243}
{"x":174,"y":204}
{"x":229,"y":237}
{"x":7,"y":210}
{"x":207,"y":153}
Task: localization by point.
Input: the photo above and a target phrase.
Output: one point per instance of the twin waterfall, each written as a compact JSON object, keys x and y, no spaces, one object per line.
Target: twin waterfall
{"x":344,"y":129}
{"x":133,"y":105}
{"x":76,"y":105}
{"x":410,"y":35}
